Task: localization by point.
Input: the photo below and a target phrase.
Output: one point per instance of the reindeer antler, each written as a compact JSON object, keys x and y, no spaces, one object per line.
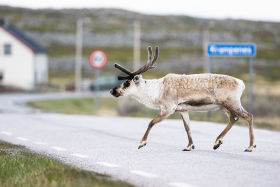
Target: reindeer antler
{"x":146,"y":67}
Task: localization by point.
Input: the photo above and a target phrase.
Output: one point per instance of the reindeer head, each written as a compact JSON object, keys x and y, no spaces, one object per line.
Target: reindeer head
{"x":133,"y":79}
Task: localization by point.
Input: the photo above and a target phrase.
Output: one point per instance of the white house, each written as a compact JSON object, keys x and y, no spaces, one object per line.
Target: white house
{"x":23,"y":63}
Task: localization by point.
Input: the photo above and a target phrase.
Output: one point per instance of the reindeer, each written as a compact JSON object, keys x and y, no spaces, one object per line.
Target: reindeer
{"x":183,"y":93}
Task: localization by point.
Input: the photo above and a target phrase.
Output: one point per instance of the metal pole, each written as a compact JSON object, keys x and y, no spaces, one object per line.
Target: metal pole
{"x":137,"y":44}
{"x":78,"y":59}
{"x":209,"y":71}
{"x":205,"y":40}
{"x":96,"y":98}
{"x":251,"y":85}
{"x":209,"y":65}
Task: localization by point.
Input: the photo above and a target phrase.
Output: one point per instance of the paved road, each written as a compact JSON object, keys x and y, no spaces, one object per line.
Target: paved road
{"x":16,"y":103}
{"x":109,"y":145}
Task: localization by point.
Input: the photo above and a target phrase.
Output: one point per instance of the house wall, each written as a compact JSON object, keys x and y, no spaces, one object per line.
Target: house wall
{"x":17,"y":68}
{"x":41,"y":68}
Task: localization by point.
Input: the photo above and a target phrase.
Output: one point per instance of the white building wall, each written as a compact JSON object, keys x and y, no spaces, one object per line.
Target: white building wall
{"x":41,"y":68}
{"x":17,"y":68}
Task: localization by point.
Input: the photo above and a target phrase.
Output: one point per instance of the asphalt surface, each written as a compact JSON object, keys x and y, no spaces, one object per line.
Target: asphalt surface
{"x":16,"y":102}
{"x":109,"y":145}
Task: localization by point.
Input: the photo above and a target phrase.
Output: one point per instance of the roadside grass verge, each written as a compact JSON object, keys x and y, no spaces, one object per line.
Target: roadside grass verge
{"x":109,"y":106}
{"x":20,"y":167}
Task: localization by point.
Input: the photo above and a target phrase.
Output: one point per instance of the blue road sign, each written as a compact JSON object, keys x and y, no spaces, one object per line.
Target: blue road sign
{"x":231,"y":50}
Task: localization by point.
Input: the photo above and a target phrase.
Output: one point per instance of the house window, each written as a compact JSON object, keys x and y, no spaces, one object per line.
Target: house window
{"x":7,"y":49}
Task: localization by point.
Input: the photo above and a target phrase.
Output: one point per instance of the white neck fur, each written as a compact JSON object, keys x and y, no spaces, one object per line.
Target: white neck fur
{"x":148,"y":92}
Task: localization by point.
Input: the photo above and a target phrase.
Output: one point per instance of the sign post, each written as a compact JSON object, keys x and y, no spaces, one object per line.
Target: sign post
{"x":98,"y":60}
{"x":234,"y":50}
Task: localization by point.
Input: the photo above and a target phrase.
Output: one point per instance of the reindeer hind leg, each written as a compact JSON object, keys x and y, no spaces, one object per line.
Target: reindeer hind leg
{"x":249,"y":118}
{"x":232,"y":119}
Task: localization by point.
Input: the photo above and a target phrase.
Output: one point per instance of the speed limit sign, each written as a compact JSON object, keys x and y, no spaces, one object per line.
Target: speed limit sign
{"x":97,"y":59}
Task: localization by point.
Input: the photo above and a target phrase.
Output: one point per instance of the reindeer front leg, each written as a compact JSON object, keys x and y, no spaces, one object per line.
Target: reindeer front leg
{"x":159,"y":118}
{"x":186,"y":120}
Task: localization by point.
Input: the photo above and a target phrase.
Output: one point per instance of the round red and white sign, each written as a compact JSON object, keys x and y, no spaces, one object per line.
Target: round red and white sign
{"x":97,"y":59}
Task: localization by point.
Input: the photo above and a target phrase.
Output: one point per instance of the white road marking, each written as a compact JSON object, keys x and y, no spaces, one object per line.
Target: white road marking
{"x":143,"y":174}
{"x":58,"y":148}
{"x":108,"y":164}
{"x":180,"y":184}
{"x":40,"y":143}
{"x":79,"y":155}
{"x":22,"y":138}
{"x":6,"y":133}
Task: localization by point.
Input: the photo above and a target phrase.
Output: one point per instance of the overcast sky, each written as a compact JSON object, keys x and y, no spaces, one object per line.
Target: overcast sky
{"x":244,"y":9}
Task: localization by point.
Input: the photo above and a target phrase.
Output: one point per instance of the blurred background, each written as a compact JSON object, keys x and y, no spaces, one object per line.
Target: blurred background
{"x":61,"y":35}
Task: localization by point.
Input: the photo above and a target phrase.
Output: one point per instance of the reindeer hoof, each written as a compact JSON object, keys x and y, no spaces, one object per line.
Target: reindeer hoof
{"x":250,"y":149}
{"x":189,"y":148}
{"x":142,"y":145}
{"x":247,"y":150}
{"x":217,"y":145}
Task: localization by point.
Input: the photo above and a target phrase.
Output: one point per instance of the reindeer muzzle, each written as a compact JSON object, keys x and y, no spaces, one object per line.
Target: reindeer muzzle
{"x":114,"y":92}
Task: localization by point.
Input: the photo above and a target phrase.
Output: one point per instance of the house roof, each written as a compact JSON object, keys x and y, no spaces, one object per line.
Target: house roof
{"x":36,"y":48}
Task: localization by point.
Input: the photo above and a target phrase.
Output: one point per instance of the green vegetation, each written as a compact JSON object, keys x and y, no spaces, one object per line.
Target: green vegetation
{"x":20,"y":167}
{"x":109,"y":106}
{"x":40,"y":28}
{"x":77,"y":106}
{"x":185,"y":31}
{"x":61,"y":79}
{"x":124,"y":54}
{"x":121,"y":54}
{"x":268,"y":54}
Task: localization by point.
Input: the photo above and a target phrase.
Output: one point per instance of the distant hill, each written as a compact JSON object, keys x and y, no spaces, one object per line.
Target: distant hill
{"x":180,"y":37}
{"x":114,"y":27}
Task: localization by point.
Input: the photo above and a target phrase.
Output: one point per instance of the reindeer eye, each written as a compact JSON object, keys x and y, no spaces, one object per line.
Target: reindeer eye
{"x":126,"y":84}
{"x":136,"y":79}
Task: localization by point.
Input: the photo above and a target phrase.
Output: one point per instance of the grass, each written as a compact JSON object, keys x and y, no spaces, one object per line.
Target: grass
{"x":125,"y":54}
{"x":121,"y":54}
{"x":77,"y":106}
{"x":109,"y":106}
{"x":61,"y":79}
{"x":20,"y":167}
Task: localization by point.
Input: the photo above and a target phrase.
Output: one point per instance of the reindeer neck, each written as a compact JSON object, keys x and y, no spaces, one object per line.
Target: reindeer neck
{"x":149,"y":92}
